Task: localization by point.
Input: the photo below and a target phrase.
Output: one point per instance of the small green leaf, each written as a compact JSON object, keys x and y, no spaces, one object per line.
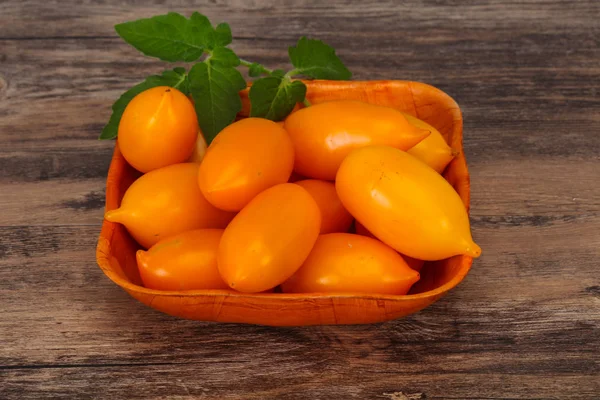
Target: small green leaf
{"x":223,"y":34}
{"x":201,"y":28}
{"x":274,"y":97}
{"x":318,"y":60}
{"x":175,"y":78}
{"x":215,"y":86}
{"x":172,"y":37}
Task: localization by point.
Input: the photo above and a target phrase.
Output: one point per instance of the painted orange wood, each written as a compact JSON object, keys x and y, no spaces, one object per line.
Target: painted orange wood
{"x":116,"y":250}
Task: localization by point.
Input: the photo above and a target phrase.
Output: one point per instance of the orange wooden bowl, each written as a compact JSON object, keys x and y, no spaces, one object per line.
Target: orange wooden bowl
{"x":116,"y":249}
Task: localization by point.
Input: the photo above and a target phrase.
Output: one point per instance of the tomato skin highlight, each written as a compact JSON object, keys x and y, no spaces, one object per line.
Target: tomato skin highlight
{"x":349,"y":263}
{"x":334,"y":217}
{"x":433,"y":150}
{"x":244,"y":159}
{"x":323,"y":134}
{"x":269,"y":239}
{"x":165,"y":202}
{"x":187,"y":261}
{"x":158,"y":128}
{"x":405,"y":204}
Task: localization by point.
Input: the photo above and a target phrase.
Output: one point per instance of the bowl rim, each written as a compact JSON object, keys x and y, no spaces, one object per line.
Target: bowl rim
{"x":108,"y":228}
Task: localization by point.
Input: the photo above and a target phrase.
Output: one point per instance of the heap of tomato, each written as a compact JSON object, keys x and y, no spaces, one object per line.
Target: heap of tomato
{"x":343,"y":197}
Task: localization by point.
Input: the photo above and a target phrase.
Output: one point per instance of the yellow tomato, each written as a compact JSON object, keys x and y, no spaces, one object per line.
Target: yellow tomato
{"x":158,"y":128}
{"x":269,"y":239}
{"x":165,"y":202}
{"x":323,"y":134}
{"x":433,"y":150}
{"x":187,"y":261}
{"x":244,"y":159}
{"x":405,"y":204}
{"x":334,"y":217}
{"x":347,"y":263}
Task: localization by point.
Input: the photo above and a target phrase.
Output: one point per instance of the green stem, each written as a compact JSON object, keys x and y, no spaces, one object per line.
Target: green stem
{"x":306,"y":102}
{"x":292,"y":72}
{"x":248,"y":64}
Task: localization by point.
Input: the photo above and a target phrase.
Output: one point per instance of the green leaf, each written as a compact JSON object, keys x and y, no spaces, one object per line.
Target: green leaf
{"x":318,"y":60}
{"x":168,"y":37}
{"x":172,"y":37}
{"x":274,"y":97}
{"x":175,"y":78}
{"x":224,"y":57}
{"x":201,"y":28}
{"x":223,"y":34}
{"x":215,"y":86}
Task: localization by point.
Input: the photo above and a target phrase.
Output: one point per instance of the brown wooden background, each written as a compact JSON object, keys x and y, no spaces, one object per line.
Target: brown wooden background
{"x":523,"y":325}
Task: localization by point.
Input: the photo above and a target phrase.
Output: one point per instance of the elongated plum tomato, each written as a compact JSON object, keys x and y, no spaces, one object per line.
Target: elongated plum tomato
{"x":269,"y":239}
{"x":158,"y":128}
{"x":433,"y":150}
{"x":323,"y":134}
{"x":414,"y":263}
{"x":187,"y":261}
{"x":165,"y":202}
{"x":244,"y":159}
{"x":348,"y":263}
{"x":405,"y":204}
{"x":334,"y":217}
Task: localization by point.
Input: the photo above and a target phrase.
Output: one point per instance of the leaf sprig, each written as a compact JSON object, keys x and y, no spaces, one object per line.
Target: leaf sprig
{"x":214,"y":81}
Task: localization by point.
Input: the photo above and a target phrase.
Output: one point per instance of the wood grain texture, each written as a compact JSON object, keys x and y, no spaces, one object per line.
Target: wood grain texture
{"x":523,"y":325}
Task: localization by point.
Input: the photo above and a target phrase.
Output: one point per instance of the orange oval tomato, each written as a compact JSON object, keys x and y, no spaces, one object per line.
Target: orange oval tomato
{"x":405,"y":204}
{"x":334,"y":217}
{"x":433,"y":150}
{"x":244,"y":159}
{"x":158,"y":128}
{"x":165,"y":202}
{"x":323,"y":134}
{"x":269,"y":239}
{"x":414,"y":263}
{"x":348,"y":263}
{"x":187,"y":261}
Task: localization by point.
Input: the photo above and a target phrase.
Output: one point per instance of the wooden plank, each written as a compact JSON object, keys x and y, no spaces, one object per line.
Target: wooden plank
{"x":277,"y":20}
{"x":53,"y":202}
{"x":321,"y":381}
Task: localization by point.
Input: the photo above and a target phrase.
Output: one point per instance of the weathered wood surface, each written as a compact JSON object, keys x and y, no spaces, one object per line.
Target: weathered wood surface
{"x":523,"y":325}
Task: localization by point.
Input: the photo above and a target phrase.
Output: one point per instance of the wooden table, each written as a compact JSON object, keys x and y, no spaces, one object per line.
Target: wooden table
{"x":523,"y":325}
